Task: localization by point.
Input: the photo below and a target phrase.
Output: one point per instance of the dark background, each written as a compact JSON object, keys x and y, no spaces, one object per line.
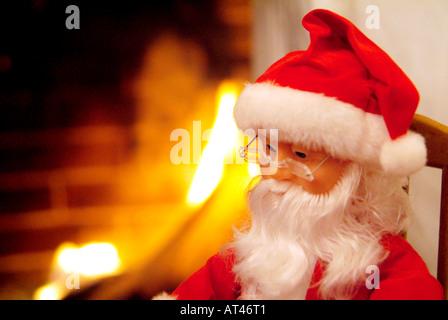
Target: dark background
{"x":54,"y":77}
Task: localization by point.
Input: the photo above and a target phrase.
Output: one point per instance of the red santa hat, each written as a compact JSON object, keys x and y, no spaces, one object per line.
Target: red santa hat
{"x":343,"y":94}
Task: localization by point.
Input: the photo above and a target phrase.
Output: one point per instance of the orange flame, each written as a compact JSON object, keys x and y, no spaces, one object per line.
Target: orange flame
{"x":220,"y":144}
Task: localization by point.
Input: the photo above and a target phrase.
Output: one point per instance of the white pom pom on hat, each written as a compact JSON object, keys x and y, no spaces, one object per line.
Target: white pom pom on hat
{"x":404,"y":155}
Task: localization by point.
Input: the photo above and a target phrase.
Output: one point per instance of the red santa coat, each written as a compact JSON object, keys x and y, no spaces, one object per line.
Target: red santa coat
{"x":403,"y":276}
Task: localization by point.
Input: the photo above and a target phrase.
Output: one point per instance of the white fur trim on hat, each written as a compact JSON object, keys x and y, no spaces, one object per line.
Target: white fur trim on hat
{"x":317,"y":121}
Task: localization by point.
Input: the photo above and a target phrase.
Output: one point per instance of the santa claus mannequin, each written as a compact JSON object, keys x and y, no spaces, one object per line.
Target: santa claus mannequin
{"x":333,"y":146}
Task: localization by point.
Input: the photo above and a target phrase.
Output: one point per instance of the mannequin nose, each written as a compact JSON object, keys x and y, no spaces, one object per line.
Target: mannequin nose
{"x":277,"y":173}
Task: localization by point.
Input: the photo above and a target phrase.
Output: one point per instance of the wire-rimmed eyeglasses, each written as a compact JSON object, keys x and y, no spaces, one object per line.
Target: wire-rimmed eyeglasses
{"x":266,"y":155}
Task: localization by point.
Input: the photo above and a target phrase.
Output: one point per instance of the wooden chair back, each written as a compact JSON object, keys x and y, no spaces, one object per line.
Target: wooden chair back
{"x":436,"y":136}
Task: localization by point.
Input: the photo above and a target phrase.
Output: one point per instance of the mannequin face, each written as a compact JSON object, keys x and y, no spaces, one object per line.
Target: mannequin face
{"x":325,"y":177}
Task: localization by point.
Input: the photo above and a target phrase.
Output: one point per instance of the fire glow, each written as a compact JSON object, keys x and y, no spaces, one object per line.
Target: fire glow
{"x":93,"y":260}
{"x":220,"y":144}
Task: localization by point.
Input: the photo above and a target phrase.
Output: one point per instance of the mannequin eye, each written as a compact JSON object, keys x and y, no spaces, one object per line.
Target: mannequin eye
{"x":300,"y":154}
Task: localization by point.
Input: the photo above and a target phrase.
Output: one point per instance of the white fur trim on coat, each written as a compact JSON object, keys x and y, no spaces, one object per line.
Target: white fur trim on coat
{"x":317,"y":121}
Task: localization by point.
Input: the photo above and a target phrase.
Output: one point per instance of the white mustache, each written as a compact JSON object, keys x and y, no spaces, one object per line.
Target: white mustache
{"x":277,"y":187}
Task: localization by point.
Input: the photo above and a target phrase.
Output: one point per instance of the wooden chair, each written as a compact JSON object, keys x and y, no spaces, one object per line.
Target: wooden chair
{"x":436,"y":136}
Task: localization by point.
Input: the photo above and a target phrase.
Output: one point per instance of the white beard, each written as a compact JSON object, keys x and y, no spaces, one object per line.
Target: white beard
{"x":291,"y":228}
